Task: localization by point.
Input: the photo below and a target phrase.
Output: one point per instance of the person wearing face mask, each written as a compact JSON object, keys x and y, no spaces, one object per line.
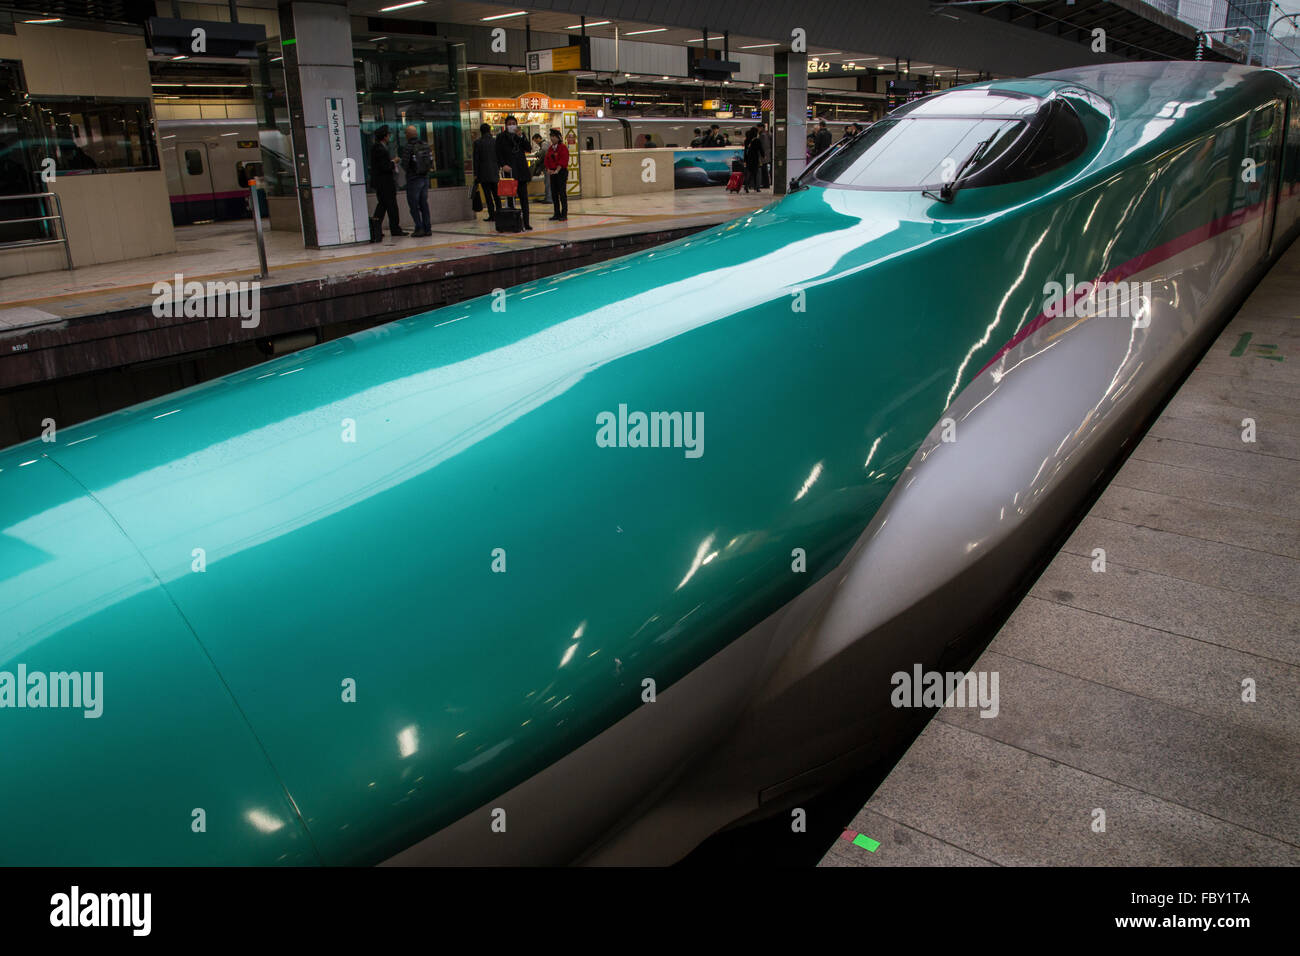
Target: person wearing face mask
{"x":512,"y":157}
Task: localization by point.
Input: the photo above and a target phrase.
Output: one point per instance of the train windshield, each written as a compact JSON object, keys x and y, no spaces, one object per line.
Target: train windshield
{"x":916,"y":153}
{"x":980,"y":138}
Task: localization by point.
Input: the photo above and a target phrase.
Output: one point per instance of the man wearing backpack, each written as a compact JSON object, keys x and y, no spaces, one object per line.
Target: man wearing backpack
{"x":417,"y":161}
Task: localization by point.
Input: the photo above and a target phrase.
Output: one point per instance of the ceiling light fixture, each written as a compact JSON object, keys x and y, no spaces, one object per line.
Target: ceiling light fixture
{"x":637,"y":33}
{"x":501,"y":16}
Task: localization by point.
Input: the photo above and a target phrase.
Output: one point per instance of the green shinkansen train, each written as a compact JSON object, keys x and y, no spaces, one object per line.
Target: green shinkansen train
{"x":590,"y":577}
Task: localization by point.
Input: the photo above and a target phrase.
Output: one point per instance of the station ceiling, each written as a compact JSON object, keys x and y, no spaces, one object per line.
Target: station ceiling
{"x":451,"y":13}
{"x":1134,"y":29}
{"x":925,"y":32}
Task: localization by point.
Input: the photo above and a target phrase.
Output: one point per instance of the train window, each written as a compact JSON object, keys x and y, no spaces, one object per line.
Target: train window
{"x":983,"y":140}
{"x":1058,"y":138}
{"x":246,"y":171}
{"x":193,"y":162}
{"x":914,"y":154}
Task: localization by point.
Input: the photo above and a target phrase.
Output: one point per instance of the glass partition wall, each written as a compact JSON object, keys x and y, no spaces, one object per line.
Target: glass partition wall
{"x":44,"y":136}
{"x":414,"y":81}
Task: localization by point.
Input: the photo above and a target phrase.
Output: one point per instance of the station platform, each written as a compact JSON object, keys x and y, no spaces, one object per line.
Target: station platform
{"x":227,"y":251}
{"x":1122,"y":692}
{"x":75,"y":345}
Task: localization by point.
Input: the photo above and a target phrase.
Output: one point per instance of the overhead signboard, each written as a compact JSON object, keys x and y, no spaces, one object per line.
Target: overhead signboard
{"x":825,"y":68}
{"x":704,"y":64}
{"x":558,"y":59}
{"x":199,"y":38}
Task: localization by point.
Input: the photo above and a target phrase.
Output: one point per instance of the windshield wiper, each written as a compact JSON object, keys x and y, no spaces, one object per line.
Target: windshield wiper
{"x":949,"y":189}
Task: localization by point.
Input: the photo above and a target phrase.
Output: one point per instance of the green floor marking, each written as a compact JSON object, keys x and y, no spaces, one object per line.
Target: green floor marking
{"x":866,"y":843}
{"x":1261,"y":350}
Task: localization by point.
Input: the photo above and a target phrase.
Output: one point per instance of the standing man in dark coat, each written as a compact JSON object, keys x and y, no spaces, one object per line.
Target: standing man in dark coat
{"x":512,"y":157}
{"x":822,"y":141}
{"x":485,"y":170}
{"x":382,"y":175}
{"x":765,"y":140}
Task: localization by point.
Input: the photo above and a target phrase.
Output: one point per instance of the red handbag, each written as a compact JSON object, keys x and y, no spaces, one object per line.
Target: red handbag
{"x":508,"y":186}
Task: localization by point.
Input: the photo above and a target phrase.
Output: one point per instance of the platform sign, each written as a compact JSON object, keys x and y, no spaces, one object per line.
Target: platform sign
{"x":556,"y":60}
{"x":338,"y":145}
{"x":820,"y":69}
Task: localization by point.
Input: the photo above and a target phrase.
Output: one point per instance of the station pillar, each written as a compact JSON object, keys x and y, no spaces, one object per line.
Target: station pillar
{"x":321,"y":87}
{"x":789,"y":118}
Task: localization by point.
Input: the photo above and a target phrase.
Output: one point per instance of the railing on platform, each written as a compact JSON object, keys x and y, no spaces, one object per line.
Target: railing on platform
{"x":58,"y":216}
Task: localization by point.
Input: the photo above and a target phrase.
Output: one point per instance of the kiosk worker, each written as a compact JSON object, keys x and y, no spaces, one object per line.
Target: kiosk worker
{"x":557,"y":173}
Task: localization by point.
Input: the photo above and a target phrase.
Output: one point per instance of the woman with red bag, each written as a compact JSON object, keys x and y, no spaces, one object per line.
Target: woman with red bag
{"x":513,"y":159}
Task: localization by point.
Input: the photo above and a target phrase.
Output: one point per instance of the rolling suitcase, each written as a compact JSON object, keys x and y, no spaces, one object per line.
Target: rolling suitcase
{"x":376,"y":229}
{"x":510,"y":218}
{"x":735,"y":182}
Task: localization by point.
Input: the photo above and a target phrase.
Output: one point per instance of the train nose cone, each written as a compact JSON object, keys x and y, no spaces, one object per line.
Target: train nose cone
{"x":121,"y":744}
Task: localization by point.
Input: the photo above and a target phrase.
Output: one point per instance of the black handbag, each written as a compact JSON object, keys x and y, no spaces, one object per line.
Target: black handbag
{"x":476,"y":197}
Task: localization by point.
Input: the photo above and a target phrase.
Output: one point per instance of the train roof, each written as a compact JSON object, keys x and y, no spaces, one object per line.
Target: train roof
{"x":1154,"y":106}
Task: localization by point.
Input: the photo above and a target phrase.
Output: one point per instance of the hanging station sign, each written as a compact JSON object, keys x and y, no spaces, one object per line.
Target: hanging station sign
{"x":557,"y":59}
{"x":825,"y":68}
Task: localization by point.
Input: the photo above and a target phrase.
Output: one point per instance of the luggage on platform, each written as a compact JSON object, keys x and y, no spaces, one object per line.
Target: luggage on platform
{"x":510,"y":219}
{"x":735,"y":182}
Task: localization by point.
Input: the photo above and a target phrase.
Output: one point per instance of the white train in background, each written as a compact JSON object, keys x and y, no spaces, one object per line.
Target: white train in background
{"x":208,"y":163}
